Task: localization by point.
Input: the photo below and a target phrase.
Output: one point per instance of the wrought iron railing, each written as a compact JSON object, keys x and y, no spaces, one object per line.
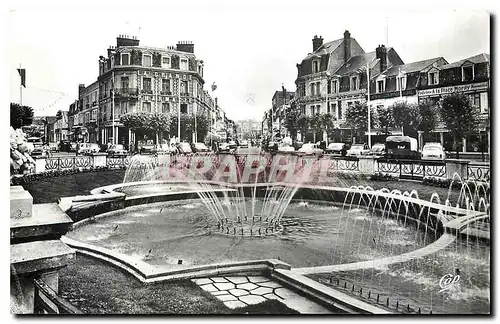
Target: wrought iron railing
{"x":478,"y":171}
{"x":117,"y":161}
{"x":412,"y":169}
{"x":65,"y":163}
{"x":47,"y":301}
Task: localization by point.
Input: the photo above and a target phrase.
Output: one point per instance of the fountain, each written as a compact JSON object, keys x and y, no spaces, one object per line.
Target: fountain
{"x":365,"y":242}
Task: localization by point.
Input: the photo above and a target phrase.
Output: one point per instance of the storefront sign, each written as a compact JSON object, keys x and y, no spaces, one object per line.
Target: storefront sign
{"x":453,"y":89}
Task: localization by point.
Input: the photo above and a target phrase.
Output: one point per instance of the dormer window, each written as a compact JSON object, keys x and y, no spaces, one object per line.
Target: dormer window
{"x":468,"y":72}
{"x":125,"y":59}
{"x":433,"y":77}
{"x":335,"y":86}
{"x":165,"y":62}
{"x":147,"y":60}
{"x":401,"y":82}
{"x":380,"y":83}
{"x":315,"y":66}
{"x":354,"y":85}
{"x":184,"y":64}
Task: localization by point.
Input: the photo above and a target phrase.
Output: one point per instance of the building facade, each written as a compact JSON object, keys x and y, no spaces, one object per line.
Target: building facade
{"x":249,"y":129}
{"x":335,"y":76}
{"x":61,"y":129}
{"x":133,"y":79}
{"x":470,"y":76}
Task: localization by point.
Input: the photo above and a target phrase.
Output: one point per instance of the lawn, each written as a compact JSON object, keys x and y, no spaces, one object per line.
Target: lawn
{"x":98,"y":288}
{"x":51,"y":189}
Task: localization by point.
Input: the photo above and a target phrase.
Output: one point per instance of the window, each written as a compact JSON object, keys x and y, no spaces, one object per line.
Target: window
{"x":401,"y":83}
{"x":354,"y":83}
{"x":165,"y":107}
{"x":328,"y":110}
{"x":335,"y":86}
{"x":339,"y":110}
{"x":317,"y":89}
{"x":125,"y":59}
{"x":468,"y":73}
{"x":380,"y":86}
{"x":184,"y":87}
{"x":124,"y":107}
{"x":184,"y":64}
{"x":146,"y":84}
{"x":166,"y":60}
{"x":312,"y":110}
{"x":184,"y":108}
{"x":475,"y":100}
{"x":146,"y":107}
{"x":318,"y":109}
{"x":328,"y":87}
{"x":165,"y":85}
{"x":433,"y":78}
{"x":315,"y":67}
{"x":124,"y":82}
{"x":146,"y":60}
{"x":312,"y":89}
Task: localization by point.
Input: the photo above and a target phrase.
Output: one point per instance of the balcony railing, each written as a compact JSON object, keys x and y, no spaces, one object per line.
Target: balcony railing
{"x":147,"y":91}
{"x":126,"y":92}
{"x":166,"y":93}
{"x":185,"y":94}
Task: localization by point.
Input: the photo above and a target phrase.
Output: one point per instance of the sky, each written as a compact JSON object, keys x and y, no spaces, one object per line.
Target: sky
{"x":250,"y":49}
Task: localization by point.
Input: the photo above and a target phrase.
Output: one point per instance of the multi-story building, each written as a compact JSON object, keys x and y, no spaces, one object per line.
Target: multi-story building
{"x":280,"y":104}
{"x":470,"y":76}
{"x":248,"y":129}
{"x":266,"y":120}
{"x":334,"y":76}
{"x":133,"y":79}
{"x":61,"y":129}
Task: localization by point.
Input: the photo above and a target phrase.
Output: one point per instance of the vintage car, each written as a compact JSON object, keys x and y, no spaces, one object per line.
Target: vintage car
{"x":433,"y":151}
{"x":310,"y":149}
{"x":358,"y":149}
{"x":117,"y":150}
{"x":337,"y":149}
{"x":401,"y":147}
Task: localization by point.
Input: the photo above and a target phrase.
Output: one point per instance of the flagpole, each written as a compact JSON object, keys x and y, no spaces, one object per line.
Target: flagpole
{"x":21,"y":87}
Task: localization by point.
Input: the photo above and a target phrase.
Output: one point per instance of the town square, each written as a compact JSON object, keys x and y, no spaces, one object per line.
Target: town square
{"x":249,"y":159}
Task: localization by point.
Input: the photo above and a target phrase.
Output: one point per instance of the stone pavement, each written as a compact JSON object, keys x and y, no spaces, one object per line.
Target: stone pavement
{"x":241,"y":291}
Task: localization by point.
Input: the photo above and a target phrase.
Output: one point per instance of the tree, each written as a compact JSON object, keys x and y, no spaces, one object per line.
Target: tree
{"x":20,"y":115}
{"x":146,"y":123}
{"x":406,"y":116}
{"x":59,"y":115}
{"x":291,"y":122}
{"x":428,"y":117}
{"x":303,"y":125}
{"x":315,"y":125}
{"x":326,"y":121}
{"x":385,"y":118}
{"x":459,"y":116}
{"x":357,"y":118}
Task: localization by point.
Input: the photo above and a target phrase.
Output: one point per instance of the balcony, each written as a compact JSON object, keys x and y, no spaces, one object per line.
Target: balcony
{"x":185,"y":94}
{"x":126,"y":92}
{"x":147,"y":91}
{"x":166,"y":93}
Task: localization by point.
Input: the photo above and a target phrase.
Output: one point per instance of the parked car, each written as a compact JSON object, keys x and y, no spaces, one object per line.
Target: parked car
{"x":377,"y":150}
{"x":358,"y":149}
{"x":433,"y":151}
{"x":117,"y":150}
{"x":87,"y":148}
{"x":244,"y":144}
{"x":199,"y":148}
{"x":73,"y":147}
{"x":184,"y":148}
{"x":285,"y":148}
{"x":310,"y":149}
{"x":33,"y":142}
{"x":64,"y":146}
{"x":272,"y":147}
{"x":53,"y":147}
{"x":40,"y":151}
{"x":233,"y":145}
{"x":223,"y":147}
{"x":337,"y":149}
{"x":401,"y":147}
{"x":148,"y":149}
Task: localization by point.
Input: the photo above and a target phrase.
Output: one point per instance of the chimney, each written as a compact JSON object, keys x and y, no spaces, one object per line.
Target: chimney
{"x":317,"y":42}
{"x":184,"y":46}
{"x":347,"y":46}
{"x":381,"y":53}
{"x":124,"y":40}
{"x":81,"y":87}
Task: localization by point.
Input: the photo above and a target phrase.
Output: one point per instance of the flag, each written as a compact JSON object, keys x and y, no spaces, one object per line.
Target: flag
{"x":214,"y":86}
{"x":22,"y":73}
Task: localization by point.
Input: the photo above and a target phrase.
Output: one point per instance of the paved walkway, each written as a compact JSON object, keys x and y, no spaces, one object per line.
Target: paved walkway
{"x":242,"y":291}
{"x":441,"y":243}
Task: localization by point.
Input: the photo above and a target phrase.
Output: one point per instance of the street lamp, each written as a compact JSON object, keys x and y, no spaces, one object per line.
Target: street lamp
{"x":368,"y":104}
